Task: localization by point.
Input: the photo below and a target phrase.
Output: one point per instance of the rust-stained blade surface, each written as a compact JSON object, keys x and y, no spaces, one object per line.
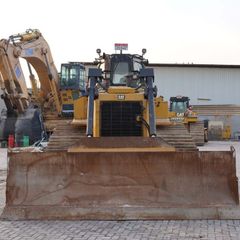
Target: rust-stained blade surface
{"x":121,"y":144}
{"x":122,"y":185}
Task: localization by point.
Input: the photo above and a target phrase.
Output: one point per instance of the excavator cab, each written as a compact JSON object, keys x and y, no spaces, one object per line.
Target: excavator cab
{"x":72,"y":85}
{"x":72,"y":76}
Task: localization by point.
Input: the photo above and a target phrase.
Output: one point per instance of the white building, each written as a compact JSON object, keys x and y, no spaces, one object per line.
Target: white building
{"x":204,"y":84}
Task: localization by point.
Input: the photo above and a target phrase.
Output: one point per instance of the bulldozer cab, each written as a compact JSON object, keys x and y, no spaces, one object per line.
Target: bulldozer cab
{"x":124,"y":70}
{"x":179,"y":104}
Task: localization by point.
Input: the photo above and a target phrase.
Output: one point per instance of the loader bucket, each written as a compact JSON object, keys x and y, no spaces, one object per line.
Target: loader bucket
{"x":120,"y":185}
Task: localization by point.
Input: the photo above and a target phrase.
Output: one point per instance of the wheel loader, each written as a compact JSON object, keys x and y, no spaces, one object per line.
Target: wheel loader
{"x":121,"y":158}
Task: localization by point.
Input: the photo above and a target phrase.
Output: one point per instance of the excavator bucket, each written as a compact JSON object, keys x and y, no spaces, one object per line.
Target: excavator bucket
{"x":116,"y":179}
{"x":29,"y":124}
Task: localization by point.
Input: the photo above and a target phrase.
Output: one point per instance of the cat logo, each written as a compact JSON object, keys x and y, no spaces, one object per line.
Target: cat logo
{"x":120,"y":97}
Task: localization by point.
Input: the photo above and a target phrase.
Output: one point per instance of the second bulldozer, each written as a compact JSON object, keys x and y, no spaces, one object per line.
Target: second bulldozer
{"x":120,"y":158}
{"x":181,"y":113}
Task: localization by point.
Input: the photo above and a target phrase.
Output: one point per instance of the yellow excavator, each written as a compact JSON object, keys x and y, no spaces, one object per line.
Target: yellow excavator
{"x":61,"y":88}
{"x":35,"y":114}
{"x":118,"y":160}
{"x":21,"y":116}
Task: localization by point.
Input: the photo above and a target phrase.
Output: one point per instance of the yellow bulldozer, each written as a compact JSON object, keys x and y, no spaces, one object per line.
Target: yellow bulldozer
{"x":181,"y":112}
{"x":121,"y":158}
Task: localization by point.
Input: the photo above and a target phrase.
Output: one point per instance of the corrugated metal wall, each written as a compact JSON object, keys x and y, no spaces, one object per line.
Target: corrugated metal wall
{"x":215,"y":85}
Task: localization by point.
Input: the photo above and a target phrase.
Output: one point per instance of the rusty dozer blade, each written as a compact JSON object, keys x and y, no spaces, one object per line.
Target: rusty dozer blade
{"x":122,"y":144}
{"x":114,"y":185}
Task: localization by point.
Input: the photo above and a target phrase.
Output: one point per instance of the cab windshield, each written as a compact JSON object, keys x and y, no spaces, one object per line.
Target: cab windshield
{"x":72,"y":76}
{"x":121,"y":72}
{"x":179,"y":107}
{"x":123,"y":69}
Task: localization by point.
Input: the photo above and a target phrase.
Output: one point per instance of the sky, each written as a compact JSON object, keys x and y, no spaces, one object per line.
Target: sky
{"x":172,"y":31}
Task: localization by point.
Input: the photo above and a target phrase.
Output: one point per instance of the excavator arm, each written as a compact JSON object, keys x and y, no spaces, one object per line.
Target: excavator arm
{"x":22,"y":118}
{"x":13,"y":84}
{"x":32,"y":46}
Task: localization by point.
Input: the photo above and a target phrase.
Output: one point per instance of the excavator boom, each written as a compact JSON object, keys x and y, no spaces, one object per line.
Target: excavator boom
{"x":54,"y":98}
{"x":21,"y":118}
{"x":32,"y":46}
{"x":15,"y":93}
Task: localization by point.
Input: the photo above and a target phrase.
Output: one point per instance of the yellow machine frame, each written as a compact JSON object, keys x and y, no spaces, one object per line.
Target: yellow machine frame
{"x":119,"y":94}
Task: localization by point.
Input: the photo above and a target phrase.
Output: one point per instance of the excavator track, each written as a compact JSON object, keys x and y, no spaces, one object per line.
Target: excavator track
{"x":197,"y":132}
{"x":178,"y":136}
